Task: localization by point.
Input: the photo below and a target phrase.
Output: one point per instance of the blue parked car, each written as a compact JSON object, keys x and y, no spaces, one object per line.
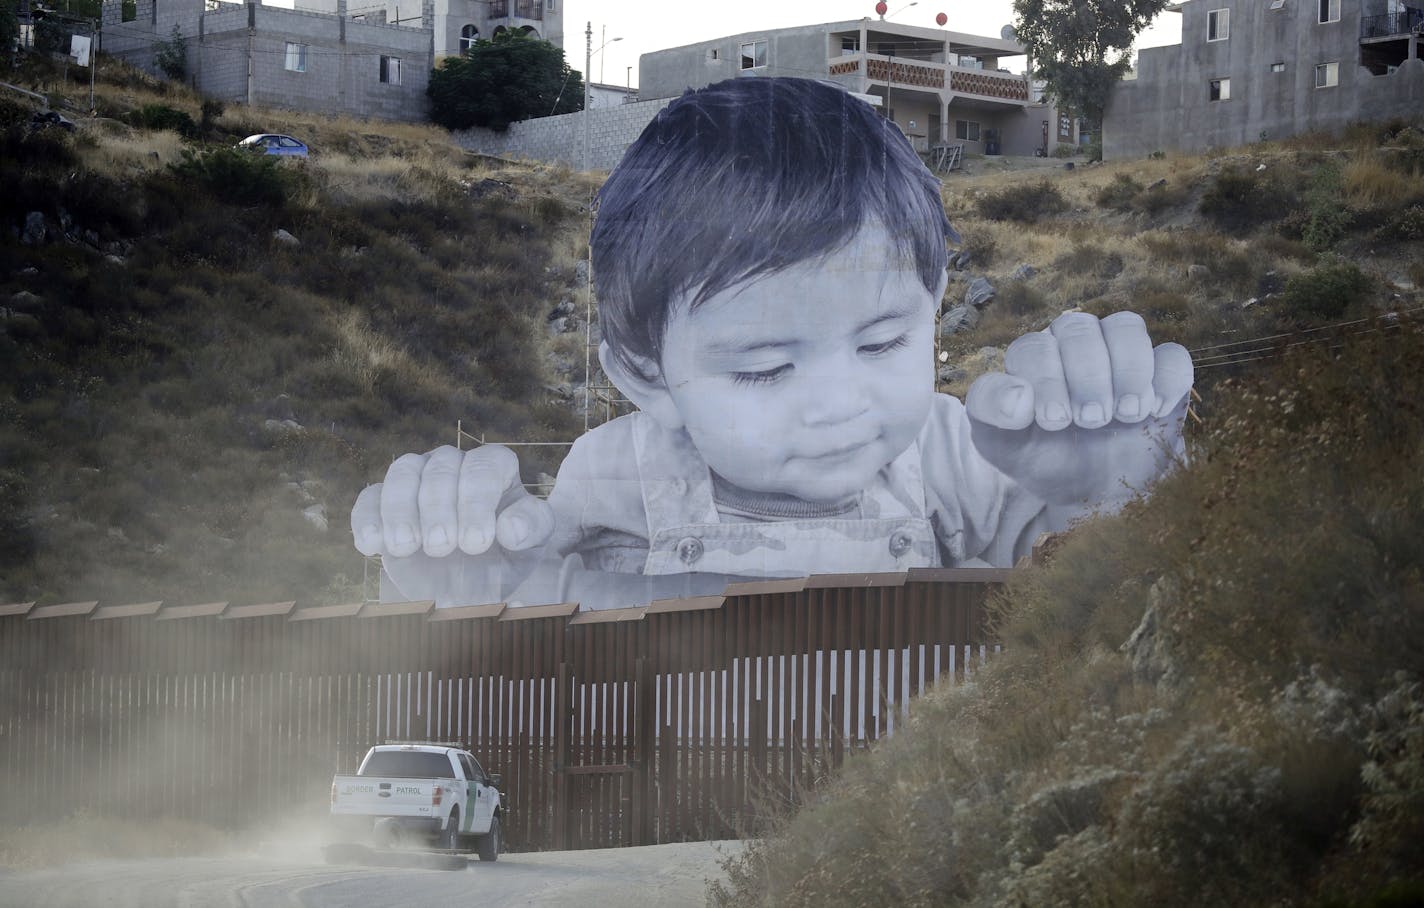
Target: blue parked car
{"x":270,"y":143}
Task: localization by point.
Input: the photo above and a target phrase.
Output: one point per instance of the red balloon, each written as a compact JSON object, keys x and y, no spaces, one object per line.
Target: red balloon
{"x":880,"y":8}
{"x":941,"y":19}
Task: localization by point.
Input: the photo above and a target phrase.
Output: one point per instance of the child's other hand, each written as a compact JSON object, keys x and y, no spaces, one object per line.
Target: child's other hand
{"x":448,"y":503}
{"x":1086,"y":411}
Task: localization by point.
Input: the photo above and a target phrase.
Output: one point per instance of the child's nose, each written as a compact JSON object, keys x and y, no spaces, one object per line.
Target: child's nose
{"x":834,"y":398}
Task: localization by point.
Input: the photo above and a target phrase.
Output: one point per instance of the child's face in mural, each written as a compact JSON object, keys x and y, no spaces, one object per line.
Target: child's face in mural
{"x":808,"y":381}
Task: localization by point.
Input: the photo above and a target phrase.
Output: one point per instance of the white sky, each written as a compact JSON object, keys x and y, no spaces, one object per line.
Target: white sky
{"x":645,"y":25}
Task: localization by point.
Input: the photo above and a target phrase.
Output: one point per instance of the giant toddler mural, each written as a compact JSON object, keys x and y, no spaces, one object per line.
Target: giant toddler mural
{"x":769,"y":258}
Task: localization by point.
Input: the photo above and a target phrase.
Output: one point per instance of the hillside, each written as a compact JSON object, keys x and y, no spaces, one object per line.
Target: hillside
{"x":214,"y":353}
{"x":209,"y":354}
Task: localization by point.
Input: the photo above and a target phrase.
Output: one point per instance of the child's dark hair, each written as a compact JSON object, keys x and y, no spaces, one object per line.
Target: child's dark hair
{"x":746,"y":178}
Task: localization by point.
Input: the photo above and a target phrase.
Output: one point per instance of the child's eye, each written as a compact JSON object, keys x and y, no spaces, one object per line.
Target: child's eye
{"x":762,"y":377}
{"x":886,"y":347}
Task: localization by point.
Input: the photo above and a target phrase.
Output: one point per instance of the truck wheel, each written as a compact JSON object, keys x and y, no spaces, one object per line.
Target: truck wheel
{"x":450,"y":838}
{"x":492,"y":842}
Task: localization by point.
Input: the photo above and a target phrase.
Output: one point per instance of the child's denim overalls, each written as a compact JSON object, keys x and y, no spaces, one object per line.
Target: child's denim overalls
{"x":685,"y":532}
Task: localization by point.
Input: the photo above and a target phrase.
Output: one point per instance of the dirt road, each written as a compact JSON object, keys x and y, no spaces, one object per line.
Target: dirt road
{"x":624,"y":877}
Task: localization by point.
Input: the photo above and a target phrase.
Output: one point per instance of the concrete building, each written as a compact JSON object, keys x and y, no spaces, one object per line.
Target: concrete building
{"x":460,"y":23}
{"x":939,"y":87}
{"x":601,"y":94}
{"x":1249,"y":70}
{"x":329,"y":56}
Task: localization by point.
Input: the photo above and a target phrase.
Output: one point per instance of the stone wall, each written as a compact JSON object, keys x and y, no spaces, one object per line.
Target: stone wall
{"x":559,"y":140}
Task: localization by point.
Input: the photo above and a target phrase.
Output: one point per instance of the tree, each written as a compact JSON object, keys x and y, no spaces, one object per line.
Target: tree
{"x":1081,"y":48}
{"x":171,"y":56}
{"x":495,"y":83}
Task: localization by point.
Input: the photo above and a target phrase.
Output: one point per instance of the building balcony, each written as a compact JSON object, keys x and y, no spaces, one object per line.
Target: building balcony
{"x":518,"y":9}
{"x":1391,"y":25}
{"x":903,"y":73}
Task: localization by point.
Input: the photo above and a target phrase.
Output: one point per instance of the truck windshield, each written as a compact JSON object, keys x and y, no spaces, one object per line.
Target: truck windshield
{"x":408,"y":764}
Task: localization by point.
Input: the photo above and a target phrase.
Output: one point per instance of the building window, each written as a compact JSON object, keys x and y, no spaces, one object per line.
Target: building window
{"x":1327,"y":75}
{"x":1220,"y":90}
{"x":1218,"y":25}
{"x":850,"y":44}
{"x":390,"y":70}
{"x":551,"y":5}
{"x":296,"y":57}
{"x":1329,"y":11}
{"x":712,"y":55}
{"x":968,"y":130}
{"x":1277,"y":4}
{"x":468,"y":36}
{"x":753,"y":54}
{"x":1278,"y":67}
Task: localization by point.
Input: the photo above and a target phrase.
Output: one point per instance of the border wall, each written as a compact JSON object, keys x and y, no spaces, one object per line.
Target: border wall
{"x":683,"y":720}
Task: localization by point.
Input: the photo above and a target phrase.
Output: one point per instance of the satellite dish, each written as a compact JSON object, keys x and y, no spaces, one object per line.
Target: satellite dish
{"x":1007,"y":33}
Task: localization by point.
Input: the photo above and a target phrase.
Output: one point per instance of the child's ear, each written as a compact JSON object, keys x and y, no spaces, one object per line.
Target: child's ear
{"x":645,"y":387}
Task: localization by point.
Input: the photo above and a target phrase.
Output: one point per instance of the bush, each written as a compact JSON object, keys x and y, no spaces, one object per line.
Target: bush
{"x":161,"y":116}
{"x":1118,"y":194}
{"x":1326,"y":292}
{"x":171,"y":56}
{"x":237,"y":177}
{"x":1090,"y":259}
{"x":1239,"y":200}
{"x":1407,"y":225}
{"x":1026,"y":203}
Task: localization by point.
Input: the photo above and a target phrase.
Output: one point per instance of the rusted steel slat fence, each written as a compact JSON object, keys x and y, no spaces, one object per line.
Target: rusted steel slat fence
{"x":682,"y":720}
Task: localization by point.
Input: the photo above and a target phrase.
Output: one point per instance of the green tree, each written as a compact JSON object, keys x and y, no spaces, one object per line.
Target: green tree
{"x":1081,"y":48}
{"x":495,"y":83}
{"x":9,"y":26}
{"x":171,"y":56}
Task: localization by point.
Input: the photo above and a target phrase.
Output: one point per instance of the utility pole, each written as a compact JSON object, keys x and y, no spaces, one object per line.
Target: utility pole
{"x":587,"y":65}
{"x":93,"y":59}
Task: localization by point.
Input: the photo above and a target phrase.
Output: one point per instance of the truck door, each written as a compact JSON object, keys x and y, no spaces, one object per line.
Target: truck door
{"x":479,"y":799}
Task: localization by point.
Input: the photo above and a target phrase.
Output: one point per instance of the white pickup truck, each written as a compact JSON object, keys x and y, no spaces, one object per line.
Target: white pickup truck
{"x":424,"y":791}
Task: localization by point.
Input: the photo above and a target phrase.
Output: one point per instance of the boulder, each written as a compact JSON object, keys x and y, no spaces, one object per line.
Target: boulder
{"x":283,"y":236}
{"x":316,"y":516}
{"x":35,"y":231}
{"x":25,"y":301}
{"x":948,"y":374}
{"x":1197,"y":272}
{"x":979,"y":293}
{"x":1023,"y":272}
{"x":960,"y":318}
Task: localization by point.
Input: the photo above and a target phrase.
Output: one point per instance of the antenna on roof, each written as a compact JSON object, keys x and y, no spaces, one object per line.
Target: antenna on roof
{"x":1008,"y":33}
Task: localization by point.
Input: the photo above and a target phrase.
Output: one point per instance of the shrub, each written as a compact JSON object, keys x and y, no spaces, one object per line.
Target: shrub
{"x":212,"y":111}
{"x":1025,"y":202}
{"x":171,"y":56}
{"x":1406,"y":225}
{"x":1090,"y":259}
{"x":1118,"y":194}
{"x":161,"y":116}
{"x":1326,"y":292}
{"x":238,"y":177}
{"x":1020,"y":298}
{"x":1240,"y":199}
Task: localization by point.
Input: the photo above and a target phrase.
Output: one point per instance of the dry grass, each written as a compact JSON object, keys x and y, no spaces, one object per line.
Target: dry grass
{"x":368,"y":356}
{"x":1369,"y":182}
{"x":119,"y":150}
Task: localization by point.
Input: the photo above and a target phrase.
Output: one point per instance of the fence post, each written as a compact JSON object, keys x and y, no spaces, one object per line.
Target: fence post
{"x":643,"y":733}
{"x":562,"y":757}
